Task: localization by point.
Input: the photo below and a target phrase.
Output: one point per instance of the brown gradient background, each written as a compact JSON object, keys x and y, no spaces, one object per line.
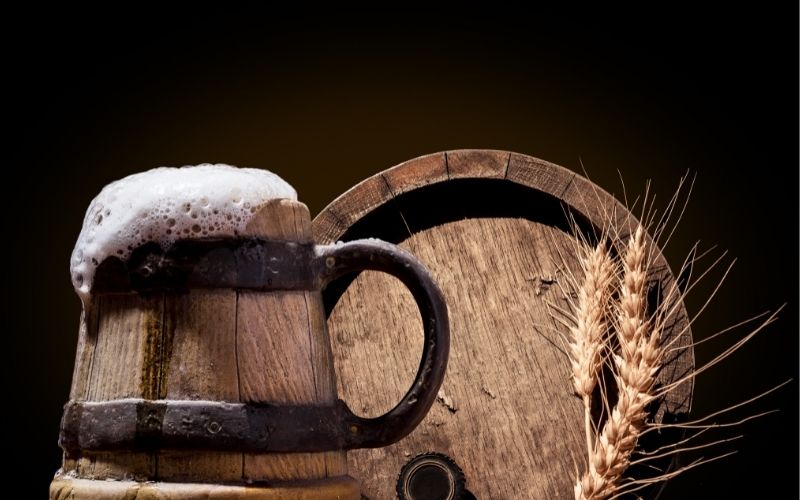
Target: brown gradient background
{"x":326,"y":102}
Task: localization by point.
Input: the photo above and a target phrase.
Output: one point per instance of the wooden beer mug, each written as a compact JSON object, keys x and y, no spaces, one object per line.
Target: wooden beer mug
{"x":205,"y":370}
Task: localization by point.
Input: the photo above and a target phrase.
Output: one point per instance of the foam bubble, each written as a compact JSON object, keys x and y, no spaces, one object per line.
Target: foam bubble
{"x":166,"y":204}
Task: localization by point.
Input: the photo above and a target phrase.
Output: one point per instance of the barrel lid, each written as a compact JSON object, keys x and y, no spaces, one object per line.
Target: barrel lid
{"x":492,"y":227}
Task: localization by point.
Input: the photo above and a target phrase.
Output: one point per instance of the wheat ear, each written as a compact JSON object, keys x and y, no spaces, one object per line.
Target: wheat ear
{"x":635,"y":368}
{"x":589,"y":331}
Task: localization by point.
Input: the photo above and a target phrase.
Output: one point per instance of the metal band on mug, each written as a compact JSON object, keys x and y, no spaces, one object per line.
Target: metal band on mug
{"x":241,"y":263}
{"x":150,"y":425}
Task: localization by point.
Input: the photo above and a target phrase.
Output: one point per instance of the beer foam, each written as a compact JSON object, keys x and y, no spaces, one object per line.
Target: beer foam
{"x":166,"y":204}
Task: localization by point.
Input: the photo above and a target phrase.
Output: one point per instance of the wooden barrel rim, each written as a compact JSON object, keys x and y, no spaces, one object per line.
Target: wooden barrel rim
{"x":353,"y":205}
{"x":580,"y":195}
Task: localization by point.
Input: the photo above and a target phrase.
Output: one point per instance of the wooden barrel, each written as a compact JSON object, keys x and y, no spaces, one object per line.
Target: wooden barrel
{"x":493,"y":228}
{"x":239,"y":350}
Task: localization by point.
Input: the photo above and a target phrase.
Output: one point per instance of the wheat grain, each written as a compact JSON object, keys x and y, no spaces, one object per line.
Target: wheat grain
{"x":635,"y":368}
{"x":632,"y":340}
{"x":588,"y":333}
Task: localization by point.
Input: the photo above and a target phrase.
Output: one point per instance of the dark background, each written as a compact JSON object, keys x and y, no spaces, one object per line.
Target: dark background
{"x":329,"y":100}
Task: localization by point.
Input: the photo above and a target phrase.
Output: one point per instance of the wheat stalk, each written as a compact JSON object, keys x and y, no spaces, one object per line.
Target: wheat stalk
{"x":611,"y":324}
{"x":590,"y":326}
{"x":635,"y":368}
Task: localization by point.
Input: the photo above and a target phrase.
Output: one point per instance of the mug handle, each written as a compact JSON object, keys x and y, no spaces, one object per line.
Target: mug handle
{"x":334,"y":261}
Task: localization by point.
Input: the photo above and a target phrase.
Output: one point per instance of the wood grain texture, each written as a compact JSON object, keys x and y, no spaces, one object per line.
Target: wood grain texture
{"x":129,"y":332}
{"x":274,"y":348}
{"x":324,"y":374}
{"x":508,"y":414}
{"x":87,"y":340}
{"x":328,"y":226}
{"x":125,"y":364}
{"x":199,"y":362}
{"x":66,"y":488}
{"x":321,"y":353}
{"x":283,"y":354}
{"x":285,"y":220}
{"x":415,"y":174}
{"x":122,"y":466}
{"x":539,"y":174}
{"x":202,"y":361}
{"x":353,"y":205}
{"x":275,"y":366}
{"x":471,"y":163}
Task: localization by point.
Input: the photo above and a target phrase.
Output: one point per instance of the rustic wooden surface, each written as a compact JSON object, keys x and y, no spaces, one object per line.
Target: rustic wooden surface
{"x":124,"y":364}
{"x":66,"y":488}
{"x":507,"y":413}
{"x":280,"y":366}
{"x":218,"y":345}
{"x":200,"y":364}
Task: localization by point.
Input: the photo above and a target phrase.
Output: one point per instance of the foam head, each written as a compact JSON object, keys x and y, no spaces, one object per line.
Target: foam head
{"x":164,"y":205}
